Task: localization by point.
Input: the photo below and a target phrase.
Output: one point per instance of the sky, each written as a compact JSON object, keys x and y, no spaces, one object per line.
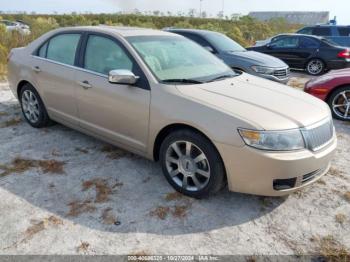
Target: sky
{"x":339,"y":8}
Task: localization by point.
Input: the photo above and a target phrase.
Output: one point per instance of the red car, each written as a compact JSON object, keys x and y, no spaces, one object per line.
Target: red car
{"x":334,"y":89}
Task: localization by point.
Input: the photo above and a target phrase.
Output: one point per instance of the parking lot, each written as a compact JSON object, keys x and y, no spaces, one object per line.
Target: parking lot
{"x":66,"y":193}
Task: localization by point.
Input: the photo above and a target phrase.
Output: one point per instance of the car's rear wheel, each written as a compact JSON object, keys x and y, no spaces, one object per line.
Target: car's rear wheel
{"x":315,"y":66}
{"x":191,"y":164}
{"x":33,"y":107}
{"x":339,"y":102}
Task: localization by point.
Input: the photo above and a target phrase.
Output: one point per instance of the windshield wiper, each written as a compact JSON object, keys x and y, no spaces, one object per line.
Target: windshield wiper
{"x":182,"y":80}
{"x":222,"y":77}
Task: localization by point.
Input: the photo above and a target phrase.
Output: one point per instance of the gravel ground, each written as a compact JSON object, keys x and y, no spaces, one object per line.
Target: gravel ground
{"x":66,"y":193}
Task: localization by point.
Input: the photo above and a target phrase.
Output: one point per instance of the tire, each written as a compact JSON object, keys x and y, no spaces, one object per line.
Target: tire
{"x":33,"y":108}
{"x":202,"y":167}
{"x":315,"y":67}
{"x":342,"y":111}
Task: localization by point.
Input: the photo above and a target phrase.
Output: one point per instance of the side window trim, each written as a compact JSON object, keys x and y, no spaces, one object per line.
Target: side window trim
{"x":47,"y":41}
{"x":82,"y":50}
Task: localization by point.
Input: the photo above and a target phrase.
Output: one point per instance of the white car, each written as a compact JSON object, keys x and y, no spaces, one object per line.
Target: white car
{"x":16,"y":26}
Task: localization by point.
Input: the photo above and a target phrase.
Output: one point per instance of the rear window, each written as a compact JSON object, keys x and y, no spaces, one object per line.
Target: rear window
{"x":344,"y":31}
{"x":309,"y":43}
{"x":322,"y":31}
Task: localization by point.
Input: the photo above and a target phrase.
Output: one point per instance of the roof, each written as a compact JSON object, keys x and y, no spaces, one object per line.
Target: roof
{"x":123,"y":31}
{"x":195,"y":31}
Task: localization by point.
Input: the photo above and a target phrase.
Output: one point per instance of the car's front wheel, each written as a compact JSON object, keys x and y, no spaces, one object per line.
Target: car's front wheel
{"x":339,"y":102}
{"x":315,"y":67}
{"x":33,"y":107}
{"x":191,"y":164}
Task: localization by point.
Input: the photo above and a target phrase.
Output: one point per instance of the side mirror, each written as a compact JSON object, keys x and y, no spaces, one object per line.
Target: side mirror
{"x":210,"y":49}
{"x":125,"y":77}
{"x":268,"y":46}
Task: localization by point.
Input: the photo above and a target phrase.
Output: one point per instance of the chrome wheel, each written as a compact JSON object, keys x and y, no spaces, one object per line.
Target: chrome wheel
{"x":341,"y":105}
{"x":187,"y":165}
{"x":30,"y":106}
{"x":315,"y":67}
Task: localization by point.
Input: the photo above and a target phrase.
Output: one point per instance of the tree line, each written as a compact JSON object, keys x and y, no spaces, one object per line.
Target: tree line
{"x":244,"y":30}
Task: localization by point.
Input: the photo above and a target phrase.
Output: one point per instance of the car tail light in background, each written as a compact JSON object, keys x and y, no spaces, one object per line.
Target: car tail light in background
{"x":344,"y":54}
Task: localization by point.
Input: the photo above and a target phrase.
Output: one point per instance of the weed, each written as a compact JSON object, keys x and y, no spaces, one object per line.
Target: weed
{"x":83,"y":247}
{"x":103,"y":190}
{"x":77,"y":208}
{"x":12,"y":122}
{"x":160,"y":212}
{"x":114,"y":152}
{"x":340,"y":218}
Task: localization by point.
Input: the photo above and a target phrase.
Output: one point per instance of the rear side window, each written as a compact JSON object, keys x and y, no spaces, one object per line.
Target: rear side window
{"x":103,"y":55}
{"x":309,"y":43}
{"x":344,"y":31}
{"x":322,"y":31}
{"x":62,"y":48}
{"x":42,"y":50}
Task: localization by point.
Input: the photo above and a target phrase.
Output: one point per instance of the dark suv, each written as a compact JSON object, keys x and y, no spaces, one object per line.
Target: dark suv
{"x":338,"y":34}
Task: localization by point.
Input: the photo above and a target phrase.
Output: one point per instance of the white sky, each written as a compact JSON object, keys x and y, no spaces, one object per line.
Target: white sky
{"x":339,"y":8}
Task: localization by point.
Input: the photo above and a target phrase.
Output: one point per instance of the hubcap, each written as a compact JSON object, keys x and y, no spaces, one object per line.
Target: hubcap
{"x":315,"y":67}
{"x":187,"y":165}
{"x":341,"y":105}
{"x":30,"y":106}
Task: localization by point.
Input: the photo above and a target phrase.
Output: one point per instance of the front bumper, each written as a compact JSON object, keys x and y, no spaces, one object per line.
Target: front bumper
{"x":283,"y":80}
{"x":265,"y":173}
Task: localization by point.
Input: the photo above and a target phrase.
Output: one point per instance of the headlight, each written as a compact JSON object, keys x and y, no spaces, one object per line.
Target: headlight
{"x":263,"y":70}
{"x":273,"y":140}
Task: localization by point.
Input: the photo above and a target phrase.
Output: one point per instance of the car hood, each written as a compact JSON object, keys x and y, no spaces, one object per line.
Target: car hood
{"x":260,"y":103}
{"x":253,"y":58}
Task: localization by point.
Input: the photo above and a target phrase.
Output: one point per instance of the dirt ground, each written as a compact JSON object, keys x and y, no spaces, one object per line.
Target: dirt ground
{"x":66,"y":193}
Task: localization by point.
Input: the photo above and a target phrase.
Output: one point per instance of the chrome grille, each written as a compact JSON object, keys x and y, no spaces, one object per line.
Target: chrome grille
{"x":281,"y":73}
{"x":318,"y":136}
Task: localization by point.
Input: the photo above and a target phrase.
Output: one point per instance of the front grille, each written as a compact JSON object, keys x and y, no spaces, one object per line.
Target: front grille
{"x":282,"y":73}
{"x":319,"y":136}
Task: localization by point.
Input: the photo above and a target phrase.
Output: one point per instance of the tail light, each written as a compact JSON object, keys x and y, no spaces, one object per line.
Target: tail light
{"x":344,"y":54}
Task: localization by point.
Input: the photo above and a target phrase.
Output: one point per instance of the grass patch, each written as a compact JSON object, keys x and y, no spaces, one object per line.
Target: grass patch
{"x":3,"y":114}
{"x":335,"y":172}
{"x":347,"y":196}
{"x":173,"y":196}
{"x":114,"y":152}
{"x":330,"y":249}
{"x":38,"y":226}
{"x":12,"y":122}
{"x":103,"y":190}
{"x":77,"y":208}
{"x":180,"y":211}
{"x":83,"y":247}
{"x":340,"y":218}
{"x":160,"y":212}
{"x":21,"y":165}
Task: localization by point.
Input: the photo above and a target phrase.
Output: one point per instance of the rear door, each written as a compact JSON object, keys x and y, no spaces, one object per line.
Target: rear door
{"x":117,"y":112}
{"x":286,"y":49}
{"x":54,"y":72}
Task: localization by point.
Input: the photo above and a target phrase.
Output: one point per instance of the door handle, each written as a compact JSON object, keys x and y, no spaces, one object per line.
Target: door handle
{"x":36,"y":69}
{"x":85,"y":84}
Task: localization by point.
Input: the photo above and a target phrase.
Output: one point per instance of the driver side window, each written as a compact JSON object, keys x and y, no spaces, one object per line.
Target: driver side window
{"x":103,"y":55}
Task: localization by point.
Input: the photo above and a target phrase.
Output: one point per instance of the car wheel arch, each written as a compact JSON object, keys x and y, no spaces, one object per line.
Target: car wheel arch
{"x":334,"y":89}
{"x":21,"y":84}
{"x":165,"y":131}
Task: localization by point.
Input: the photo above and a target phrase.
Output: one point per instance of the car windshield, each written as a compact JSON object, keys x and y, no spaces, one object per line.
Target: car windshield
{"x":224,"y":43}
{"x":176,"y":59}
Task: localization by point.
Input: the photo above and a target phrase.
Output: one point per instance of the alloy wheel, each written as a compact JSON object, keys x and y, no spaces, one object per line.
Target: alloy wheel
{"x":187,"y":165}
{"x":315,"y":67}
{"x":30,"y":106}
{"x":341,"y":105}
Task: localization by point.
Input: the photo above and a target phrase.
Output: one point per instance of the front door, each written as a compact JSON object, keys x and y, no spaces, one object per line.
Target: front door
{"x":115,"y":111}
